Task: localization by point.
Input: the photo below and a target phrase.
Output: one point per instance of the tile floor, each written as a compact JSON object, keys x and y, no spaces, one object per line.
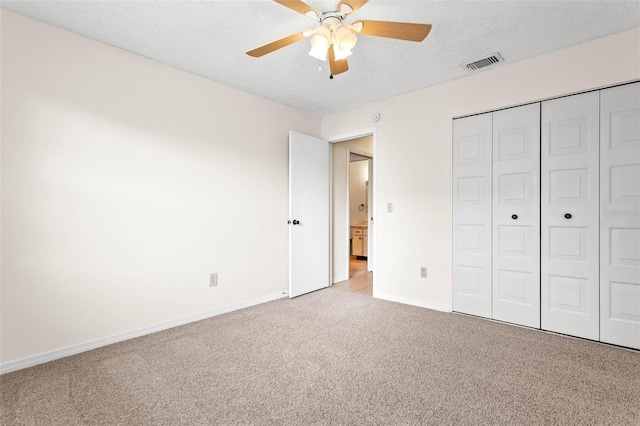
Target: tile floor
{"x":360,"y":281}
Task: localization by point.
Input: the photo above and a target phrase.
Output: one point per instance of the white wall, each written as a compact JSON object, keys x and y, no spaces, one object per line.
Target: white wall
{"x":358,"y":177}
{"x":125,"y":182}
{"x":340,"y":201}
{"x":414,"y":153}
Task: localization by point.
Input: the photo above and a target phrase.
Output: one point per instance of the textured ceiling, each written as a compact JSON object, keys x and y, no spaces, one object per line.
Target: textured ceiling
{"x":209,"y":38}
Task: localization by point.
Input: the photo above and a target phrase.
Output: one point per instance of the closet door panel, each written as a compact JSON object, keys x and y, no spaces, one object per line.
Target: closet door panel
{"x":516,"y":215}
{"x":620,"y":215}
{"x":569,"y":215}
{"x":472,"y":215}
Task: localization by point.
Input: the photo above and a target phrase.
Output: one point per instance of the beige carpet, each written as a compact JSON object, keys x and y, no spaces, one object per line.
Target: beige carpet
{"x":333,"y":358}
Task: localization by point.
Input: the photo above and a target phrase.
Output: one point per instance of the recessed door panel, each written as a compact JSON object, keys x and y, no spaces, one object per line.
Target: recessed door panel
{"x":569,"y":207}
{"x":620,"y":215}
{"x":471,"y":190}
{"x":625,"y":127}
{"x":513,"y":286}
{"x":515,"y":188}
{"x":471,"y":280}
{"x":568,"y":186}
{"x":625,"y":301}
{"x":515,"y":241}
{"x":624,"y":183}
{"x":625,"y":247}
{"x":516,"y":215}
{"x":472,"y":239}
{"x":568,"y":294}
{"x":472,"y":183}
{"x":513,"y":143}
{"x":471,"y":150}
{"x":570,"y":244}
{"x":568,"y":136}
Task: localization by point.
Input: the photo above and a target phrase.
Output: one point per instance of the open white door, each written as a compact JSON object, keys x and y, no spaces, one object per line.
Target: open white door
{"x":309,"y":214}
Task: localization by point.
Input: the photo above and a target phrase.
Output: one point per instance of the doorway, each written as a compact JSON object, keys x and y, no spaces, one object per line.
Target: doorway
{"x":353,"y":205}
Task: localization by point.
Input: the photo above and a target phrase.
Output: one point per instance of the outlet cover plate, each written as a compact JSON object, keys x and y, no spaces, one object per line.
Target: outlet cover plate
{"x":423,"y":272}
{"x":213,"y":279}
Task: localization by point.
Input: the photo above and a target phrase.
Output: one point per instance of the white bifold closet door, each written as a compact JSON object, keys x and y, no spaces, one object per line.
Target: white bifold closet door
{"x":516,"y":215}
{"x":472,"y":139}
{"x":620,"y":215}
{"x":569,"y":220}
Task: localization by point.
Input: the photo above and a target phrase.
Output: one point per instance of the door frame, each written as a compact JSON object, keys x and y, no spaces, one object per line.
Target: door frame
{"x":343,"y":137}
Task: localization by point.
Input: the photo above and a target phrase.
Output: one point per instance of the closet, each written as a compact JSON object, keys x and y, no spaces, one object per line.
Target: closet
{"x":546,"y":215}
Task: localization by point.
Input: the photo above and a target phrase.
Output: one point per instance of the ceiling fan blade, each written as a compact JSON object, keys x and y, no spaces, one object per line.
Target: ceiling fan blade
{"x":299,"y":6}
{"x":398,"y":30}
{"x":336,"y":66}
{"x":275,"y":45}
{"x":353,"y":4}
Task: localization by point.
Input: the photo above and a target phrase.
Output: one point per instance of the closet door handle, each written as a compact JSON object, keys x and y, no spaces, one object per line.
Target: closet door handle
{"x":514,"y":216}
{"x":567,"y":216}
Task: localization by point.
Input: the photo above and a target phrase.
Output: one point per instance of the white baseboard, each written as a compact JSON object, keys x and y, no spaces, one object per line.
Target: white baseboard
{"x":30,"y":361}
{"x":413,"y":302}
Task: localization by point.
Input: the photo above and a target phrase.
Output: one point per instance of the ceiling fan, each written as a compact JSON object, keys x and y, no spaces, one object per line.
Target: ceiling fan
{"x":334,"y":37}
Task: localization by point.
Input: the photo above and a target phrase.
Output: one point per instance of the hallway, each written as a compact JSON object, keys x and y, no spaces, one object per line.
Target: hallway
{"x":360,"y":281}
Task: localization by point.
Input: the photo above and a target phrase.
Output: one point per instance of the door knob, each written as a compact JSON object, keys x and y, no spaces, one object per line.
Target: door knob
{"x":514,"y":216}
{"x":567,"y":215}
{"x":296,"y":222}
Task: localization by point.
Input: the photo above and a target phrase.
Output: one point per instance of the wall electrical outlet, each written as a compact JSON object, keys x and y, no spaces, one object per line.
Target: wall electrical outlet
{"x":423,"y":272}
{"x":213,"y":279}
{"x":389,"y":207}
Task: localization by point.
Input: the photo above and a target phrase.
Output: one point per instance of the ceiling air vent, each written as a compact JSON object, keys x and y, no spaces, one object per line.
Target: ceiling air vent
{"x":494,"y":58}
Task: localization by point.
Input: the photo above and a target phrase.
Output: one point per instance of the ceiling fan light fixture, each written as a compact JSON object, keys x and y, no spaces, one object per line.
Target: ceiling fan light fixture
{"x":320,"y":37}
{"x":320,"y":54}
{"x":345,"y":39}
{"x":340,"y":53}
{"x":319,"y":41}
